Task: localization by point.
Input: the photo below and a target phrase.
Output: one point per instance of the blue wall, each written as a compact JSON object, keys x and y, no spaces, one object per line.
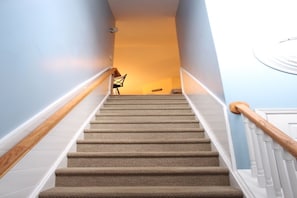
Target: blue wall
{"x":217,"y":39}
{"x":236,"y":33}
{"x":198,"y":55}
{"x":47,"y":48}
{"x":197,"y":50}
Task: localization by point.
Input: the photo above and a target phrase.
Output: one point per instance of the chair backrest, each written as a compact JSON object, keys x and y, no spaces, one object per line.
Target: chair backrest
{"x":119,"y":81}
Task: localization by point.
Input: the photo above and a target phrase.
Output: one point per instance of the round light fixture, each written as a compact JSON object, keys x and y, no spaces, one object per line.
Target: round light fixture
{"x":281,"y":55}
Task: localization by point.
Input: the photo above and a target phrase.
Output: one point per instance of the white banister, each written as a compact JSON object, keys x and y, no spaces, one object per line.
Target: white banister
{"x":248,"y":128}
{"x":267,"y":171}
{"x":272,"y":154}
{"x":259,"y":163}
{"x":284,"y":178}
{"x":290,"y":164}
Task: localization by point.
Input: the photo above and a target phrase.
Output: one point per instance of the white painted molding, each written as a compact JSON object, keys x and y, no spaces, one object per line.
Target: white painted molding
{"x":204,"y":87}
{"x":231,"y":164}
{"x":283,"y":118}
{"x":210,"y":133}
{"x":234,"y":172}
{"x":265,"y":111}
{"x":249,"y":184}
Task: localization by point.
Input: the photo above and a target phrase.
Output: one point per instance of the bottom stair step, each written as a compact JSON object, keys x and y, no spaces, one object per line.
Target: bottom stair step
{"x":143,"y":192}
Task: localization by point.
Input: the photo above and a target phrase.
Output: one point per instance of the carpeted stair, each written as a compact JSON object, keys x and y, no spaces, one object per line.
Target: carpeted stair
{"x":144,"y":147}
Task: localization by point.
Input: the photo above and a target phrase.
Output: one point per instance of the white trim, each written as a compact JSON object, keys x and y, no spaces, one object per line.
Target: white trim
{"x":24,"y":129}
{"x":182,"y":80}
{"x":231,"y":165}
{"x":231,"y":146}
{"x":263,"y":111}
{"x":204,"y":87}
{"x":210,"y":133}
{"x":282,"y":118}
{"x":249,"y":184}
{"x":51,"y":172}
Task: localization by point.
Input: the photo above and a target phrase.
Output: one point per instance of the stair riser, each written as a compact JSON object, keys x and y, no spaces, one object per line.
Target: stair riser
{"x":145,"y":118}
{"x":153,"y":97}
{"x":143,"y":161}
{"x":142,"y":147}
{"x":142,"y":180}
{"x":147,"y":106}
{"x":143,"y":111}
{"x":138,"y":136}
{"x":153,"y":126}
{"x":145,"y":192}
{"x":147,"y":101}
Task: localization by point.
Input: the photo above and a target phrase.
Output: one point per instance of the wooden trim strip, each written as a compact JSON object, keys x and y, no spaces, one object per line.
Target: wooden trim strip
{"x":15,"y":154}
{"x":276,"y":134}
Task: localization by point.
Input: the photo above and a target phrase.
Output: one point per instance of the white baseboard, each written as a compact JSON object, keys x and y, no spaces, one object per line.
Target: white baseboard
{"x":226,"y":159}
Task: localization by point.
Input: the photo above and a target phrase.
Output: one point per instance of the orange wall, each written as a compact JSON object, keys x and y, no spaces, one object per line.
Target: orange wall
{"x":147,"y":50}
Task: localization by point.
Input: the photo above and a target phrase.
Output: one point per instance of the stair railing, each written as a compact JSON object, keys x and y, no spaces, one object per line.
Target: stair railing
{"x":272,"y":153}
{"x":16,"y":153}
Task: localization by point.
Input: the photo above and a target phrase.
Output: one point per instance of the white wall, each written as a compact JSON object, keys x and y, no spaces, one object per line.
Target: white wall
{"x":48,"y":48}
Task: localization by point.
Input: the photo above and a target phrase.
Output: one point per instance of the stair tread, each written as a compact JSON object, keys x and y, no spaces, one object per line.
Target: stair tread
{"x":143,"y":154}
{"x":147,"y":157}
{"x":147,"y":110}
{"x":158,"y":97}
{"x":144,"y":192}
{"x":146,"y":107}
{"x":209,"y":170}
{"x":146,"y":101}
{"x":173,"y":130}
{"x":125,"y":114}
{"x":145,"y":121}
{"x":145,"y":141}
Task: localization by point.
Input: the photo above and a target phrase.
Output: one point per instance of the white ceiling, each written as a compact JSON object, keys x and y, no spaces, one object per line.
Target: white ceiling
{"x":125,"y":9}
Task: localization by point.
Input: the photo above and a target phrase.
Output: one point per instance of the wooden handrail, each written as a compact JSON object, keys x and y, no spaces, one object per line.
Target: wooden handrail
{"x":15,"y":154}
{"x":276,"y":134}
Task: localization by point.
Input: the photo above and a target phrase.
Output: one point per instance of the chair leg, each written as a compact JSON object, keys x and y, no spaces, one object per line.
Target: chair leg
{"x":118,"y":91}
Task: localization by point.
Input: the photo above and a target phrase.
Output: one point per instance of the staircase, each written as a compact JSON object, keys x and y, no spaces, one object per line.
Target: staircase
{"x":143,"y":146}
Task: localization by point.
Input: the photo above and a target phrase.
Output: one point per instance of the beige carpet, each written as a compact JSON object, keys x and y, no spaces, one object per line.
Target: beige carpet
{"x":143,"y":146}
